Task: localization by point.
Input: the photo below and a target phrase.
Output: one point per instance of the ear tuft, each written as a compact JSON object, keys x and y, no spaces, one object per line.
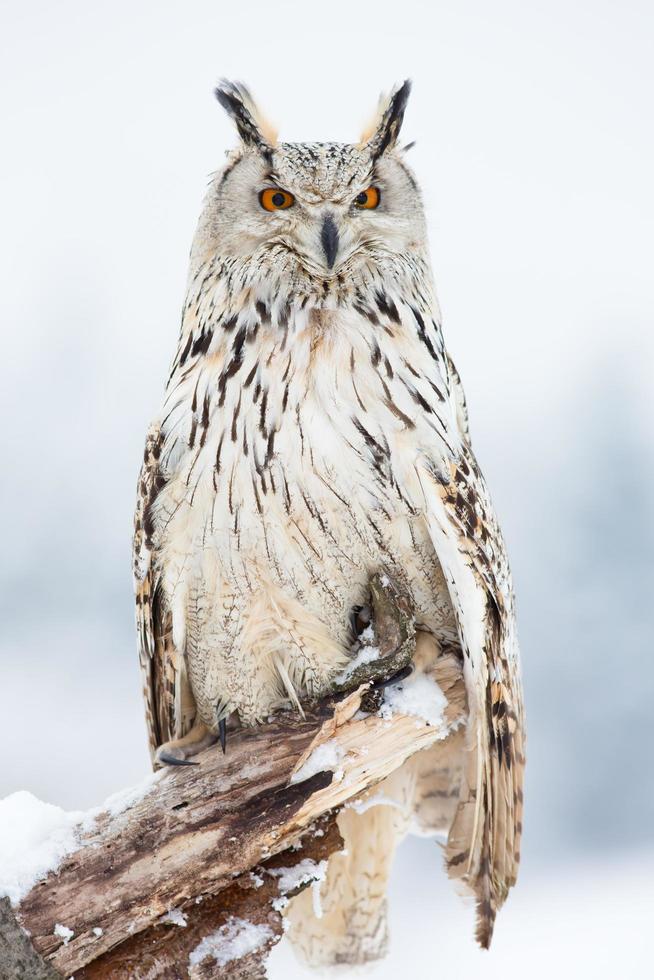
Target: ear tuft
{"x":253,"y":129}
{"x":383,"y":133}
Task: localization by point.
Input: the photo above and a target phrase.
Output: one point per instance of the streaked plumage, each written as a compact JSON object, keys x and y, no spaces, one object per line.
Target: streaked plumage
{"x":314,"y":431}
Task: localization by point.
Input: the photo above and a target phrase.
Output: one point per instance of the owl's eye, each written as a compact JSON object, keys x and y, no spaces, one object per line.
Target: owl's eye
{"x":368,"y":199}
{"x":275,"y":199}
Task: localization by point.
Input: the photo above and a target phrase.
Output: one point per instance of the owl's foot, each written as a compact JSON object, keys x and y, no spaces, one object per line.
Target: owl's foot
{"x":178,"y":751}
{"x":386,"y":642}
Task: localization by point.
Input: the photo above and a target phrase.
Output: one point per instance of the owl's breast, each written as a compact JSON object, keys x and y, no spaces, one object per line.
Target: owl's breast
{"x":298,"y":472}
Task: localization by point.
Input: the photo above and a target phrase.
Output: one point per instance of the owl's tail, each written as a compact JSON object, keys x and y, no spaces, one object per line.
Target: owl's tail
{"x":345,"y":923}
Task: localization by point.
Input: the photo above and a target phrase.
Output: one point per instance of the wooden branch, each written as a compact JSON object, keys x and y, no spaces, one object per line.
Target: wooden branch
{"x":197,"y":858}
{"x":165,"y":949}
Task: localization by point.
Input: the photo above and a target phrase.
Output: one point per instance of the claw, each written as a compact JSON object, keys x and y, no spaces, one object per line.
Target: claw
{"x":170,"y":760}
{"x":354,"y":616}
{"x":400,"y":676}
{"x":222,"y":733}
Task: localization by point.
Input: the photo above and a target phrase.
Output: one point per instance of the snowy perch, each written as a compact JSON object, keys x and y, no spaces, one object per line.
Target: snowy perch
{"x":186,"y":876}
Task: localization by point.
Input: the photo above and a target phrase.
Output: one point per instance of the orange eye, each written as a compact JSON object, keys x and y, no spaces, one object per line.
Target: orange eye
{"x":274,"y":199}
{"x":368,"y":199}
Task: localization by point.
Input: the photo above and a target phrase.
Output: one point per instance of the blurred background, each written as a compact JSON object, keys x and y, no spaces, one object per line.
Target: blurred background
{"x":535,"y":151}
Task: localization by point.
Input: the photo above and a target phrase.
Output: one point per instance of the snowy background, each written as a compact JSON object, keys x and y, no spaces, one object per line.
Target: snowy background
{"x":535,"y":150}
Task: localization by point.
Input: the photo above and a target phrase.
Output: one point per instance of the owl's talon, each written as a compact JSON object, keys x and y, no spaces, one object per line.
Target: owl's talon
{"x":222,"y":734}
{"x":170,"y":760}
{"x":400,"y":676}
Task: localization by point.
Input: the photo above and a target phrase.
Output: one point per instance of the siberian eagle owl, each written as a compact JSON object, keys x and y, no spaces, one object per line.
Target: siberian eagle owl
{"x":314,"y":431}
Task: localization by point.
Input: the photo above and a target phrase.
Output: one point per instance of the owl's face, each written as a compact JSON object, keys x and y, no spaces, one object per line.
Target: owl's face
{"x":322,"y":208}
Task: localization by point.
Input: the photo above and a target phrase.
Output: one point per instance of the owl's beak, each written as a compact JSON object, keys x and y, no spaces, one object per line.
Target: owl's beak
{"x":329,"y":239}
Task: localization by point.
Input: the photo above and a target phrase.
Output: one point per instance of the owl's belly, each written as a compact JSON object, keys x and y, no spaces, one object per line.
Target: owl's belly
{"x":265,"y":579}
{"x":322,"y":552}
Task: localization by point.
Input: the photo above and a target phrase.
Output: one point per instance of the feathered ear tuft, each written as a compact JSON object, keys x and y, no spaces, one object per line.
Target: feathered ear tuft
{"x":253,"y":129}
{"x":383,"y":133}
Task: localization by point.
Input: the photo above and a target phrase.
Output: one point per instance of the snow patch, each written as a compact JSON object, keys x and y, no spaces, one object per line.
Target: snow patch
{"x":234,"y":940}
{"x":64,"y":933}
{"x":97,"y":931}
{"x":366,"y":654}
{"x":324,"y":757}
{"x":302,"y":873}
{"x":35,"y":837}
{"x":175,"y":916}
{"x":367,"y":635}
{"x":418,"y":695}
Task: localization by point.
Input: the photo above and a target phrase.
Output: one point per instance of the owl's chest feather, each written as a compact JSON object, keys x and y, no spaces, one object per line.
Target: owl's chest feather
{"x":299,"y":468}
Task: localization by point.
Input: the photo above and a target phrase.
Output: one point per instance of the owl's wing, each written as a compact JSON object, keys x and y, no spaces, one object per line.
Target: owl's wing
{"x":484,"y":839}
{"x":162,"y":665}
{"x":459,"y":398}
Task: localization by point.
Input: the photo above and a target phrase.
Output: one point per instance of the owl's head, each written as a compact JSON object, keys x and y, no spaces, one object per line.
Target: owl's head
{"x":322,"y":210}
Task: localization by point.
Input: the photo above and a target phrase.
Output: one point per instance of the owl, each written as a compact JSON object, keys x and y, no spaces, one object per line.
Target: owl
{"x":314,"y":431}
